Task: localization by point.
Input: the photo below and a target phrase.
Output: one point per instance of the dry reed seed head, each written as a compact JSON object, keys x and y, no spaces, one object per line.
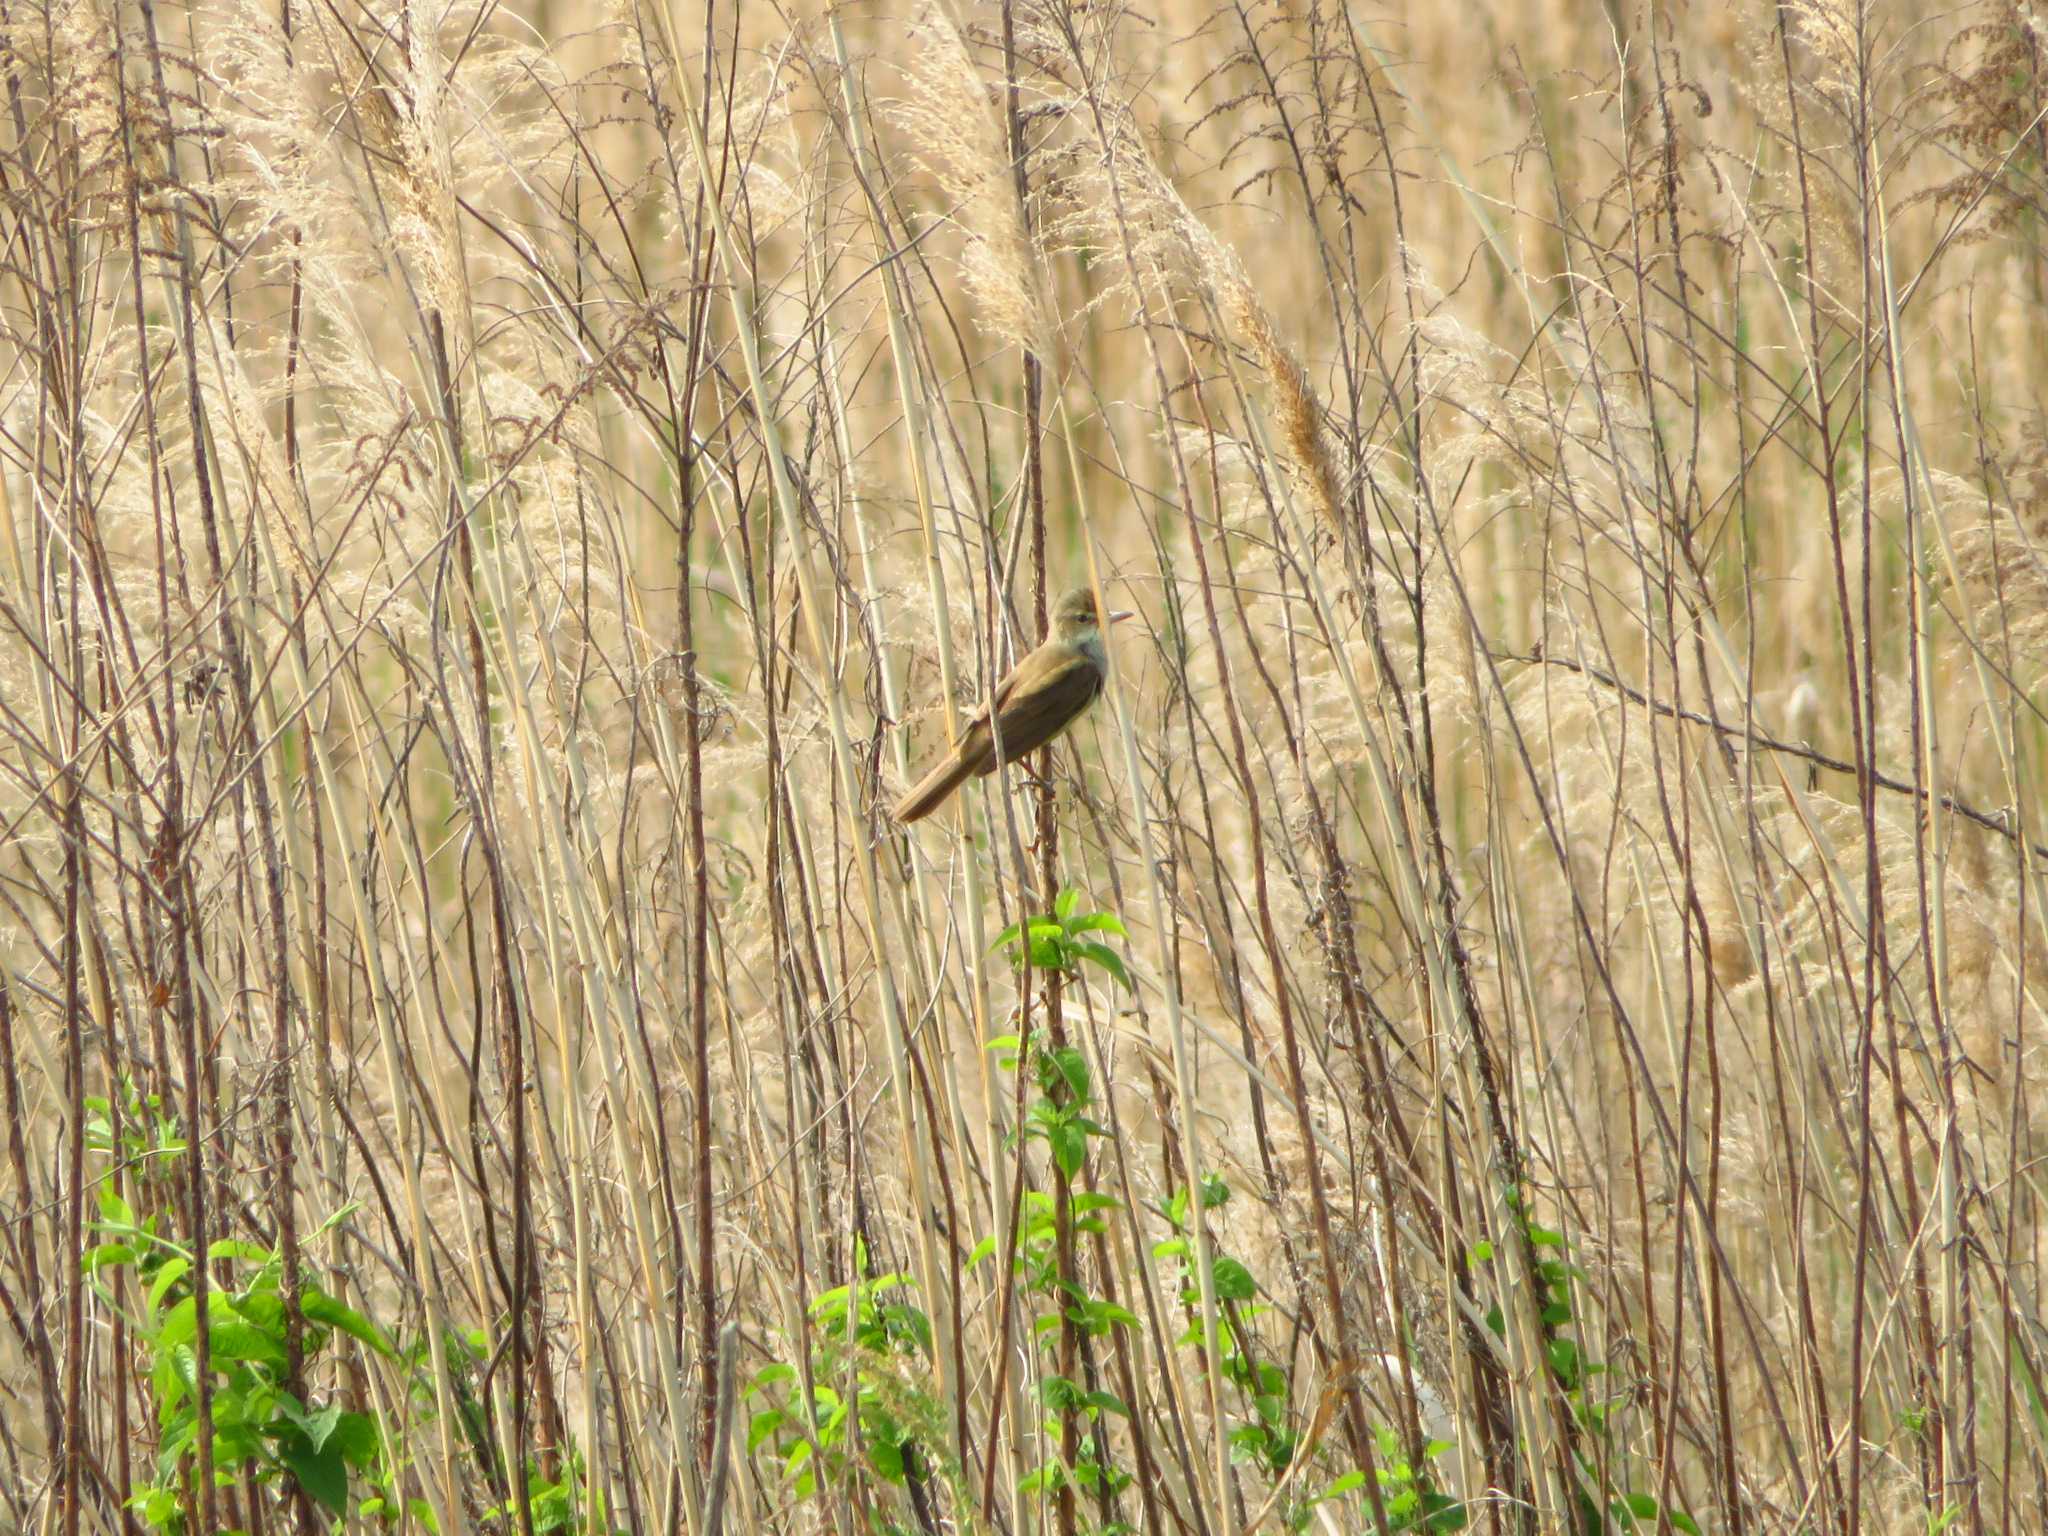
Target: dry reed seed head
{"x":1535,"y":421}
{"x":1105,"y":197}
{"x":1832,"y":35}
{"x":1223,"y":464}
{"x":404,"y":197}
{"x":1995,"y":87}
{"x":277,"y":110}
{"x":432,"y":128}
{"x":1781,"y":209}
{"x":951,"y":118}
{"x":1297,"y":414}
{"x":74,"y":62}
{"x":756,"y":152}
{"x":251,"y":459}
{"x":353,"y":161}
{"x":2001,"y":552}
{"x":764,"y":146}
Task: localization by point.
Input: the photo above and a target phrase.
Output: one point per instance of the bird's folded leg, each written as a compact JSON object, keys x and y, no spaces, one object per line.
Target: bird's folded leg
{"x":1032,"y":778}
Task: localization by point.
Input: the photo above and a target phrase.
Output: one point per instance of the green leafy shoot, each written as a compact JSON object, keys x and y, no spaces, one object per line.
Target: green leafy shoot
{"x":1066,"y":941}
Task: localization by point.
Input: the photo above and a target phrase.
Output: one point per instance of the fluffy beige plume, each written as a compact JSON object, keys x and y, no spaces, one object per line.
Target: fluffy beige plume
{"x":74,"y":58}
{"x":1185,"y":247}
{"x":369,"y":163}
{"x":951,"y":115}
{"x":1290,"y":396}
{"x":2002,"y":556}
{"x":1116,"y":196}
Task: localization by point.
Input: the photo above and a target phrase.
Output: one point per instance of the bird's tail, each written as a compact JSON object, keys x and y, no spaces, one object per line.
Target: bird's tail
{"x":933,"y":788}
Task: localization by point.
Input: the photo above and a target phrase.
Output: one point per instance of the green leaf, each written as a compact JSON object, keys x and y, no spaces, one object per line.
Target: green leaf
{"x":1063,"y":904}
{"x":1108,"y":959}
{"x":319,"y":1427}
{"x":333,"y":1221}
{"x":159,"y":1506}
{"x":114,"y":1211}
{"x":172,"y":1272}
{"x":322,"y":1474}
{"x":321,"y":1308}
{"x":1059,"y":1394}
{"x":762,"y":1425}
{"x":1099,"y":922}
{"x":1564,"y":1360}
{"x":1350,"y":1480}
{"x":886,"y":1456}
{"x":1448,"y":1514}
{"x":771,"y":1375}
{"x":831,"y":1305}
{"x":264,"y":1308}
{"x":1233,"y":1281}
{"x":911,"y":1323}
{"x":1069,"y":1145}
{"x":1098,"y":1316}
{"x":1050,"y":1476}
{"x":235,"y":1248}
{"x":241,"y":1342}
{"x":357,"y":1438}
{"x":1065,"y":1067}
{"x":105,"y":1256}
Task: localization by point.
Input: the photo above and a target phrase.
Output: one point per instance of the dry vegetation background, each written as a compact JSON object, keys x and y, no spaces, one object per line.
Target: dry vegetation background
{"x":497,"y":500}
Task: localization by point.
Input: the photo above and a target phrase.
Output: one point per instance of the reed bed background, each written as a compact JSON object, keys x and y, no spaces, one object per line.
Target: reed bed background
{"x":499,"y":499}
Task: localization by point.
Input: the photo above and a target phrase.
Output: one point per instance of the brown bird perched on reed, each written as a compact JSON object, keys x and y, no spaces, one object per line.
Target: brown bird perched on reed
{"x":1039,"y":697}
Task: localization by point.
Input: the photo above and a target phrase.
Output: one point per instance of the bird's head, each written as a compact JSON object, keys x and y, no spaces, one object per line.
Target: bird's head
{"x":1077,"y":614}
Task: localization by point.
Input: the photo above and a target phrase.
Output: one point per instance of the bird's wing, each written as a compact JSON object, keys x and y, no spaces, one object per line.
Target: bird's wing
{"x":1042,"y":696}
{"x":976,"y":719}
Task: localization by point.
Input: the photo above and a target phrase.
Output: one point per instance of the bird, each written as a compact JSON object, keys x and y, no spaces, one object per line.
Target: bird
{"x":1037,"y":699}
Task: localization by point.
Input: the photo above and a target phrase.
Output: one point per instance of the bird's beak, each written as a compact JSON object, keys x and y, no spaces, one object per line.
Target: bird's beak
{"x":1121,"y":614}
